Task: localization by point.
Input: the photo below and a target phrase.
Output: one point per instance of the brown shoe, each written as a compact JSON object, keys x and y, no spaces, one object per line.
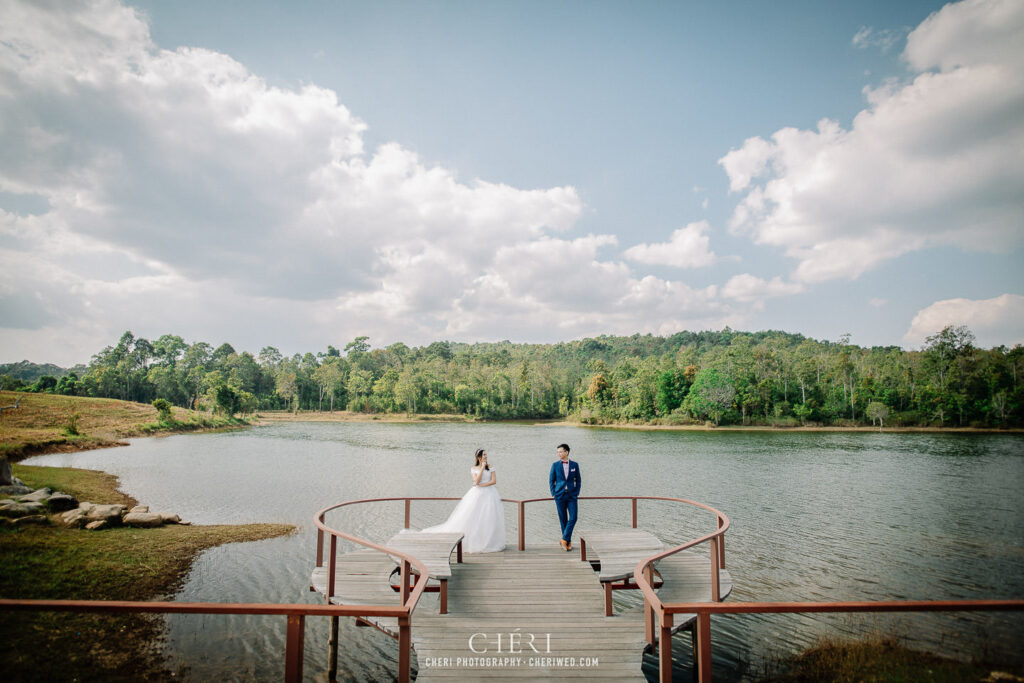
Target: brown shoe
{"x":568,"y":546}
{"x":565,"y":546}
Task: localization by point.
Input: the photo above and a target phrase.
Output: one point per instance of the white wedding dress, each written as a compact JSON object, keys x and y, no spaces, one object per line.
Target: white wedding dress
{"x":480,"y":517}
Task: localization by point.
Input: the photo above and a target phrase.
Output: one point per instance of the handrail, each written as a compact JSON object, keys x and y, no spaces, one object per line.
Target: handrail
{"x":409,"y":600}
{"x":653,"y":606}
{"x":704,"y":610}
{"x":296,"y":613}
{"x":717,"y":558}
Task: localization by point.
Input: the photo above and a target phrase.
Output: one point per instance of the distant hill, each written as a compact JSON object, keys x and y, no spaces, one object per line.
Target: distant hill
{"x":29,"y":372}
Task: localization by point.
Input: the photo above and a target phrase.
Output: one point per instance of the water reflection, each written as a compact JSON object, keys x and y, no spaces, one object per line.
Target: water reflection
{"x":815,"y":516}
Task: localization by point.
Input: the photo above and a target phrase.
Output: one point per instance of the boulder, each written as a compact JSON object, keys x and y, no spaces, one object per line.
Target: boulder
{"x":37,"y":496}
{"x":110,"y":513}
{"x":98,"y":525}
{"x":62,"y":501}
{"x":143,"y":519}
{"x":74,"y":518}
{"x":32,"y":519}
{"x":15,"y":490}
{"x":6,"y":475}
{"x":20,"y":509}
{"x":139,"y":508}
{"x":169,"y":517}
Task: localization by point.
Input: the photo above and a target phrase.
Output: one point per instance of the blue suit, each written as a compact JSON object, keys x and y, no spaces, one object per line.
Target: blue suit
{"x":565,"y":491}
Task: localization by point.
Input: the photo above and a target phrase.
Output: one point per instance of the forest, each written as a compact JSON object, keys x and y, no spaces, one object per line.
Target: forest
{"x":724,"y":377}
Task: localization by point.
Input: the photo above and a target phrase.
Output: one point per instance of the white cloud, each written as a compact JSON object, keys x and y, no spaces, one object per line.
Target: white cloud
{"x":747,"y":288}
{"x":688,"y":247}
{"x":184,"y":194}
{"x":878,"y":302}
{"x":883,"y":39}
{"x":934,"y":161}
{"x":993,"y":321}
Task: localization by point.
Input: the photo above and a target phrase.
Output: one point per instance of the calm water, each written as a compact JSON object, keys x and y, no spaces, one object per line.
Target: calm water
{"x":814,"y":517}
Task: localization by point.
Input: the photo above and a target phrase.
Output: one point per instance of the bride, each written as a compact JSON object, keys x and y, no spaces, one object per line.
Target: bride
{"x":479,"y":514}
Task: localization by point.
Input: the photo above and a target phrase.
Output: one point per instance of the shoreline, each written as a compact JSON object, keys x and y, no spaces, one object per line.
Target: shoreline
{"x":49,"y":561}
{"x":263,"y":418}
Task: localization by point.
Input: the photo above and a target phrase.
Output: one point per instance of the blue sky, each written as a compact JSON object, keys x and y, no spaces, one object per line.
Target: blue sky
{"x":297,"y":175}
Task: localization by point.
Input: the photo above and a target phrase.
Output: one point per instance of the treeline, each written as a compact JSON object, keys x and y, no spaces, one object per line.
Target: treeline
{"x":724,"y":377}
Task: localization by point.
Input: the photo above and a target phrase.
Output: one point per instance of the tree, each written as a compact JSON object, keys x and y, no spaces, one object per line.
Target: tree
{"x":357,"y":345}
{"x":228,"y":400}
{"x":711,"y":394}
{"x":877,"y":411}
{"x":672,"y":388}
{"x":330,"y":378}
{"x":163,"y":407}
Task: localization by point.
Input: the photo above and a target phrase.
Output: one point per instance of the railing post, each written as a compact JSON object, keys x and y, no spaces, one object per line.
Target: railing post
{"x":721,"y":546}
{"x":332,"y":567}
{"x":649,"y":616}
{"x":703,"y":663}
{"x":408,"y":510}
{"x":294,"y":648}
{"x":404,"y":578}
{"x":665,"y":649}
{"x":404,"y":645}
{"x":716,"y":595}
{"x":634,"y":513}
{"x":332,"y":651}
{"x":522,"y":525}
{"x":319,"y":547}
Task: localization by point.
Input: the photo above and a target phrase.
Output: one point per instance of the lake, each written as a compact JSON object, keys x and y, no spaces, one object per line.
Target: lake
{"x":815,"y":516}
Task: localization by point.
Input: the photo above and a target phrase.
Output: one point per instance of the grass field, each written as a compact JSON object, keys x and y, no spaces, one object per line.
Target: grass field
{"x":880,"y":659}
{"x":48,"y":423}
{"x":50,"y":562}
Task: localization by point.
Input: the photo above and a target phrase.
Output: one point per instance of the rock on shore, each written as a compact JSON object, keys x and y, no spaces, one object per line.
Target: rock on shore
{"x":32,"y":506}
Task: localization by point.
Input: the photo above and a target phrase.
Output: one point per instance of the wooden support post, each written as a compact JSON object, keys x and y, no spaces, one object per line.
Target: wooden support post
{"x":332,"y":567}
{"x":703,"y":662}
{"x":608,"y":598}
{"x":404,"y":645}
{"x":403,"y":576}
{"x":444,"y":596}
{"x":649,"y":616}
{"x":458,"y":552}
{"x":634,"y":513}
{"x":332,"y":651}
{"x":583,"y":550}
{"x":721,"y":546}
{"x":716,"y":595}
{"x":693,"y":646}
{"x":408,"y":510}
{"x":295,"y":643}
{"x":665,"y":649}
{"x":522,"y":525}
{"x":319,"y":547}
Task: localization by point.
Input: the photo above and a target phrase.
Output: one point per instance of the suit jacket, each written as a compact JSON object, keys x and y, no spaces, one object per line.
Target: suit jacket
{"x":560,"y":486}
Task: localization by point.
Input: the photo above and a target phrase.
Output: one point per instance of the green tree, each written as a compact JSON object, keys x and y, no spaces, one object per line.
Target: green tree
{"x":877,"y":411}
{"x":711,"y":395}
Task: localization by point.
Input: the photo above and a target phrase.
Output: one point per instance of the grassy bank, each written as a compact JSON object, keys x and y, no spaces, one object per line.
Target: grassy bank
{"x":49,"y":562}
{"x":878,"y":659}
{"x":49,"y":423}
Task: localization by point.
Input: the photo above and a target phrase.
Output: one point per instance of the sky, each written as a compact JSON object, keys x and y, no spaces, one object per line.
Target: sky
{"x":299,"y":174}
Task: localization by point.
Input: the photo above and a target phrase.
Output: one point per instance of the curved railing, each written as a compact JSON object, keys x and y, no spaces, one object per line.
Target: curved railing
{"x":654,"y":609}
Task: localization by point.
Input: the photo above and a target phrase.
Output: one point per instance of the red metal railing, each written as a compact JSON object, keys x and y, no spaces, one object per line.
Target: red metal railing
{"x":296,"y":613}
{"x":658,"y":615}
{"x":704,"y":610}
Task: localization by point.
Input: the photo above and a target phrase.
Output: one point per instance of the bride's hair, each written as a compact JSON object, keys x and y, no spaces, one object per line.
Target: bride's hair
{"x":477,"y":455}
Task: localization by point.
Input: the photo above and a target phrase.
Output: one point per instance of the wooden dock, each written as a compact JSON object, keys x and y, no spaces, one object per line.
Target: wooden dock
{"x":537,"y":613}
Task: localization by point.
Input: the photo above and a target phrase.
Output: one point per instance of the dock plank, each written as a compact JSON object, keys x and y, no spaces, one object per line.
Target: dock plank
{"x":541,"y":593}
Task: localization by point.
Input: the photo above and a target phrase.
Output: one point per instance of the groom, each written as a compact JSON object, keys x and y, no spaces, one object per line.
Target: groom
{"x":564,"y":482}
